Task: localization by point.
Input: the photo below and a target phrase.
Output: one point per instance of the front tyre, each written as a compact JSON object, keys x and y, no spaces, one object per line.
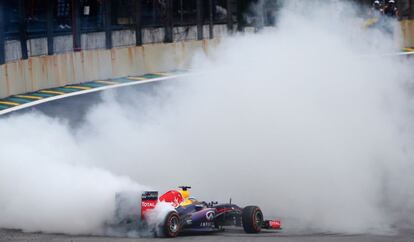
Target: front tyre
{"x":252,"y":218}
{"x":171,"y":226}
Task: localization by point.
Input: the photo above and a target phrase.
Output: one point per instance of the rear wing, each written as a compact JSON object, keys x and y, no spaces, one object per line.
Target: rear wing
{"x":149,"y":200}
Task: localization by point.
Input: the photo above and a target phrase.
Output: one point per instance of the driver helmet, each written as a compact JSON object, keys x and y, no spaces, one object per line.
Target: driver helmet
{"x":185,"y":194}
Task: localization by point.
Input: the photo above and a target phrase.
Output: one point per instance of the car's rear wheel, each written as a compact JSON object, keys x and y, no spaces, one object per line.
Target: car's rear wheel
{"x":171,"y":226}
{"x":252,"y":219}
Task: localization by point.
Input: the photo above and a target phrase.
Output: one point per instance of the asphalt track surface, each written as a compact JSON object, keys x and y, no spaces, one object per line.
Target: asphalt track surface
{"x":74,"y":109}
{"x":228,"y":235}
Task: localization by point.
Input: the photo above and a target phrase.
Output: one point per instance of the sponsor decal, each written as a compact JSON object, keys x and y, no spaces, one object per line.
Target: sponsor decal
{"x":206,"y":224}
{"x":210,"y":215}
{"x":149,"y":196}
{"x":148,"y":204}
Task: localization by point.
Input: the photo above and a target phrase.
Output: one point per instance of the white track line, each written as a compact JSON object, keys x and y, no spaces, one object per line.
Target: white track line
{"x":49,"y":99}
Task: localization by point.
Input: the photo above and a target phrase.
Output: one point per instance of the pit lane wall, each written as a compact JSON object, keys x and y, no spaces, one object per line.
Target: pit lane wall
{"x":43,"y":72}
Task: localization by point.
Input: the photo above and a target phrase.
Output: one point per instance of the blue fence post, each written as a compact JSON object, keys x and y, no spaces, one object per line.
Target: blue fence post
{"x":138,"y":22}
{"x":211,"y":6}
{"x":23,"y":29}
{"x":200,"y":24}
{"x":107,"y":23}
{"x":2,"y":40}
{"x":229,"y":16}
{"x":76,"y":23}
{"x":50,"y":8}
{"x":168,"y":22}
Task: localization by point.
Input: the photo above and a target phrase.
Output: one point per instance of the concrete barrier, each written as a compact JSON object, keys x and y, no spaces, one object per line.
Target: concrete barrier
{"x":407,"y":27}
{"x":4,"y":86}
{"x":43,"y":72}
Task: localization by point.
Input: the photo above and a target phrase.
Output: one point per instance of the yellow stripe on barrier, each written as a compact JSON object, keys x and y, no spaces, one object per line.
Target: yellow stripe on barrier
{"x":137,"y":78}
{"x":52,"y":92}
{"x":160,"y":73}
{"x":29,"y":97}
{"x":107,"y":82}
{"x":9,"y":103}
{"x":409,"y":49}
{"x":78,"y":87}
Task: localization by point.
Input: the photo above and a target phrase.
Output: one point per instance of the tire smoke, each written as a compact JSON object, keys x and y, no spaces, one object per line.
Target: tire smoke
{"x":45,"y":182}
{"x":307,"y":120}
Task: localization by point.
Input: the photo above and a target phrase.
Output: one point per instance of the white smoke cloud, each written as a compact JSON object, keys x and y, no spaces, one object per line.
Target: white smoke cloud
{"x":45,"y":182}
{"x":309,"y":121}
{"x":156,"y":217}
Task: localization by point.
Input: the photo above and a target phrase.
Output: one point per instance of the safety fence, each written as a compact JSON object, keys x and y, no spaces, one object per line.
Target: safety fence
{"x":46,"y":27}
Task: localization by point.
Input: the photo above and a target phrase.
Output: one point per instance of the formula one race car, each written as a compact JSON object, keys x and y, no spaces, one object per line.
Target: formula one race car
{"x":188,"y":214}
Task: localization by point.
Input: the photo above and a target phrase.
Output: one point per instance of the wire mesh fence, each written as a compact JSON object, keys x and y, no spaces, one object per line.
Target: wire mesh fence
{"x":55,"y":26}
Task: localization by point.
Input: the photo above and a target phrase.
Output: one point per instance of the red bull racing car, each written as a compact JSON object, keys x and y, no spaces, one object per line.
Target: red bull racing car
{"x":189,"y":215}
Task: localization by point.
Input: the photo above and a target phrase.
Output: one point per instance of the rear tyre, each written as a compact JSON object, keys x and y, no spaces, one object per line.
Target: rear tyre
{"x":252,"y":219}
{"x":171,"y":226}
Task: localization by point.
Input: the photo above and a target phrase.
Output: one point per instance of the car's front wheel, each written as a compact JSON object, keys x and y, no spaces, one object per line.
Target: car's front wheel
{"x":252,"y":219}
